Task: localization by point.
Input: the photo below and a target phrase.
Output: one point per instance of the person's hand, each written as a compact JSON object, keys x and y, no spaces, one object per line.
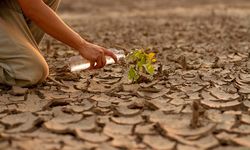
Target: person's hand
{"x":96,"y":55}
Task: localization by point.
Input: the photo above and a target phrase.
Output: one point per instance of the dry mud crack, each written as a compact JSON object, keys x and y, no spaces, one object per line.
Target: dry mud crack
{"x":200,"y":100}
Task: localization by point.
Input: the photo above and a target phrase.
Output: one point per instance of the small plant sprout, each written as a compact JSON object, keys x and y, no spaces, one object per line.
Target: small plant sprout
{"x":141,"y":63}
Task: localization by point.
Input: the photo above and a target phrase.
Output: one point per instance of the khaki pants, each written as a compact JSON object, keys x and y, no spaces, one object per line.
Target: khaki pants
{"x":21,"y":63}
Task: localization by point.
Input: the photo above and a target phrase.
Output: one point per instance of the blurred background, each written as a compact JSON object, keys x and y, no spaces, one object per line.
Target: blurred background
{"x":153,"y":23}
{"x":88,"y":6}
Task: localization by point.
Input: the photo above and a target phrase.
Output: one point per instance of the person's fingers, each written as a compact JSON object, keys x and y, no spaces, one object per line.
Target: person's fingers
{"x":104,"y":60}
{"x":99,"y":62}
{"x":110,"y":54}
{"x":92,"y":65}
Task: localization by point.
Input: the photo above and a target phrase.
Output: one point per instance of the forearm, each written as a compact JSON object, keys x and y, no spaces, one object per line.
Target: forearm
{"x":50,"y":23}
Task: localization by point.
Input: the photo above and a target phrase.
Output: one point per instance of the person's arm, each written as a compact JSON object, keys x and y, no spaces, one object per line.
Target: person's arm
{"x":49,"y":22}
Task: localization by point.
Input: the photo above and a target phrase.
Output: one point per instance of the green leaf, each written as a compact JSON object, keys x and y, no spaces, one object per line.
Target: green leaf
{"x":132,"y":74}
{"x":151,"y":56}
{"x":154,"y":60}
{"x":141,"y":62}
{"x":138,"y":54}
{"x":149,"y":68}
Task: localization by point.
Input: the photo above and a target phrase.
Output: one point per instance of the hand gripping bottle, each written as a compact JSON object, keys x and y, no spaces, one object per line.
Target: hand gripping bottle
{"x":78,"y":63}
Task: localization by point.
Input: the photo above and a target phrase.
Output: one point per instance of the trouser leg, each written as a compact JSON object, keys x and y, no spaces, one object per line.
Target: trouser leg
{"x":20,"y":60}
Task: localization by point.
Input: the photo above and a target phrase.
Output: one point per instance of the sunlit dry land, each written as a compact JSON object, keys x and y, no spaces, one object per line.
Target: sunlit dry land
{"x":197,"y":100}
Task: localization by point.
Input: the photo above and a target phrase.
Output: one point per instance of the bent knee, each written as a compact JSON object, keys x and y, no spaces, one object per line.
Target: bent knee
{"x":27,"y":72}
{"x":39,"y":72}
{"x":33,"y":71}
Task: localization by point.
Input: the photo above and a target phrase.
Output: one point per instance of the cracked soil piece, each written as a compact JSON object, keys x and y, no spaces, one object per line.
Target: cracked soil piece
{"x":242,"y":129}
{"x":32,"y":104}
{"x":177,"y":102}
{"x":67,"y":118}
{"x":85,"y":124}
{"x":243,"y":141}
{"x":103,"y":104}
{"x":163,"y":105}
{"x":18,"y":91}
{"x":43,"y":145}
{"x":223,"y":96}
{"x":100,"y":97}
{"x":130,"y":87}
{"x":152,"y":95}
{"x":74,"y":109}
{"x":61,"y":117}
{"x":22,"y":122}
{"x":218,"y":117}
{"x":179,"y":124}
{"x":220,"y":105}
{"x":96,"y":87}
{"x":158,"y":142}
{"x":186,"y":147}
{"x":189,"y":132}
{"x":245,"y":118}
{"x":92,"y":137}
{"x":225,"y":137}
{"x":246,"y":103}
{"x":244,"y":78}
{"x":125,"y":141}
{"x":112,"y":129}
{"x":107,"y":146}
{"x":125,"y":111}
{"x":128,"y":120}
{"x":192,"y":88}
{"x":145,"y":129}
{"x":205,"y":142}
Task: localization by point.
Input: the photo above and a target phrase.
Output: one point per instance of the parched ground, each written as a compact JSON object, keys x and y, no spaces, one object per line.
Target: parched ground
{"x":198,"y":99}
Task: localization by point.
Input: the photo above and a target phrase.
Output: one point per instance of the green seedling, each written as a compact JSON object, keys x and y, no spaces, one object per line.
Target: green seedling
{"x":140,"y":63}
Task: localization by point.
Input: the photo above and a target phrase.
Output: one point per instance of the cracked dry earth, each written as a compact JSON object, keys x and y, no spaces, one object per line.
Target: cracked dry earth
{"x":199,"y":99}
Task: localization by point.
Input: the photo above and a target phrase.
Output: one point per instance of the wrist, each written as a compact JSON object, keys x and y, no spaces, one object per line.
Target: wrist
{"x":81,"y":44}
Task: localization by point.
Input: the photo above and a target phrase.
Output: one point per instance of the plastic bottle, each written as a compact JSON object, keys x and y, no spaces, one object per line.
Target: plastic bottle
{"x":78,"y":63}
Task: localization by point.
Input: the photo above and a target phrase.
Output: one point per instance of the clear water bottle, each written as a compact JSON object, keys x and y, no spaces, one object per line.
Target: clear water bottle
{"x":78,"y":63}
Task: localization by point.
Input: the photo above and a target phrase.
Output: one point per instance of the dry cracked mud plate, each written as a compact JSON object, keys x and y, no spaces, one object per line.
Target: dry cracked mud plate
{"x":125,"y":111}
{"x":92,"y":137}
{"x":223,"y":96}
{"x":126,"y":142}
{"x":243,"y":141}
{"x":21,"y":122}
{"x":152,"y":95}
{"x":147,"y":129}
{"x":86,"y":124}
{"x":206,"y":142}
{"x":221,"y":105}
{"x":18,"y":91}
{"x":242,"y":82}
{"x":179,"y":124}
{"x":158,"y":142}
{"x":128,"y":120}
{"x":113,"y":129}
